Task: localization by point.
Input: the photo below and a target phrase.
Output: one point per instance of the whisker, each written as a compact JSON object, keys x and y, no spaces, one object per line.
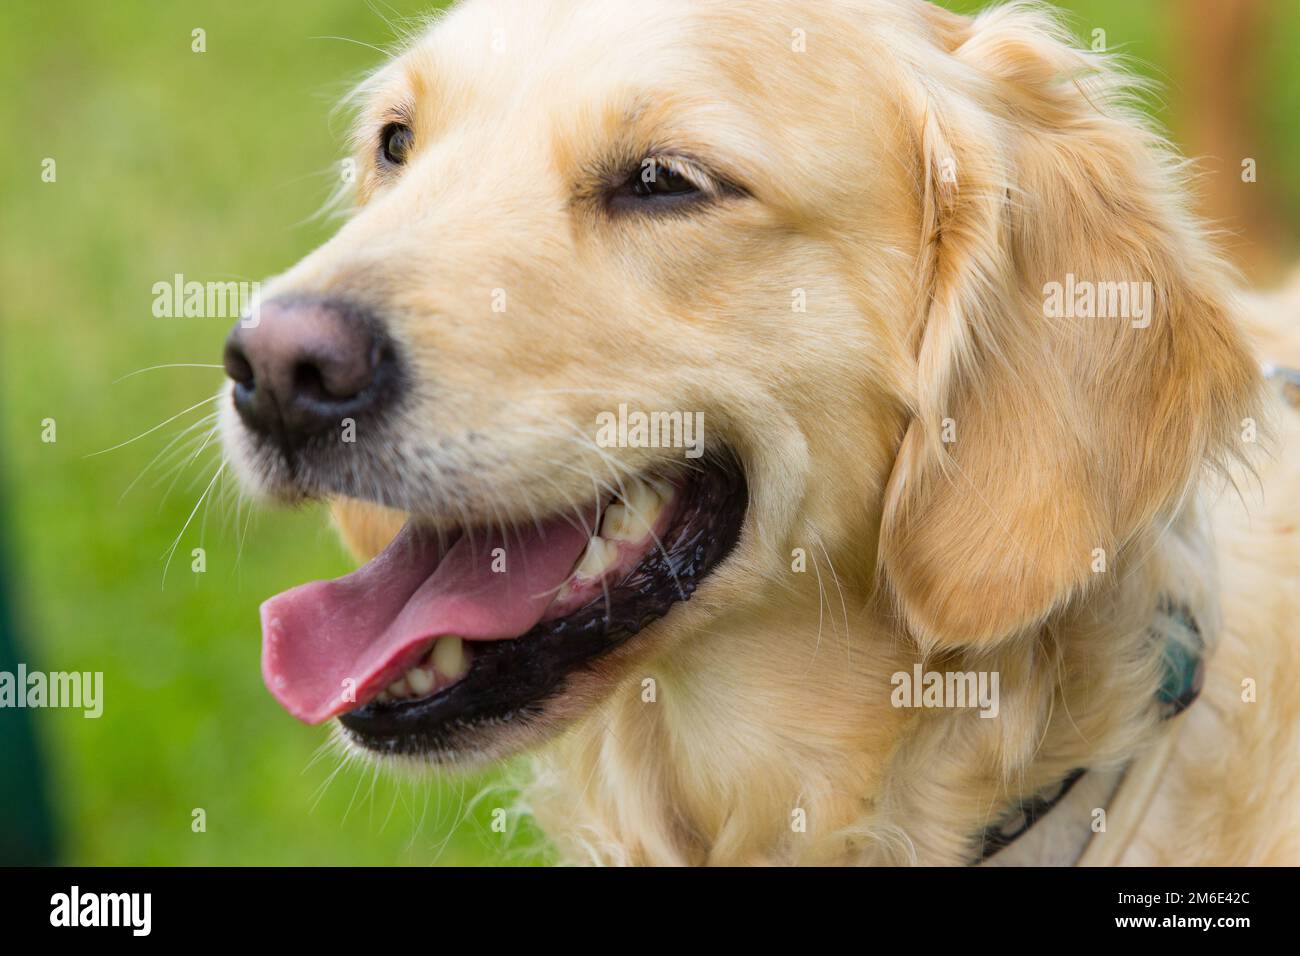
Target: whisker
{"x":129,"y":441}
{"x":154,"y":368}
{"x":165,"y":449}
{"x":171,"y":553}
{"x":368,"y":46}
{"x":844,"y":610}
{"x":821,"y":599}
{"x":179,"y":467}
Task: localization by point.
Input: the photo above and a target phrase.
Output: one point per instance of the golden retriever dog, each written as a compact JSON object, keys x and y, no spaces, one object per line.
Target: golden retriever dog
{"x":816,"y":431}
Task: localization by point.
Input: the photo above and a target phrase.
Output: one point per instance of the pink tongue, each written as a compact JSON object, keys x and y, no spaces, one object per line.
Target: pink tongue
{"x":328,"y":646}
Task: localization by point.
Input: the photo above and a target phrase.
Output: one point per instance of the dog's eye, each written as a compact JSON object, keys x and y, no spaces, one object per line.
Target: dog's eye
{"x":667,"y":184}
{"x":396,"y":142}
{"x":657,"y":179}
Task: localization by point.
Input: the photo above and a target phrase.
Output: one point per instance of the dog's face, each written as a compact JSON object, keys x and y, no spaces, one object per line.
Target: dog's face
{"x":820,"y":231}
{"x":561,"y":212}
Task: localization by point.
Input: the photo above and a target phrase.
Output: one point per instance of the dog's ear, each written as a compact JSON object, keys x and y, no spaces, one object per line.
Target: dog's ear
{"x":1076,"y":360}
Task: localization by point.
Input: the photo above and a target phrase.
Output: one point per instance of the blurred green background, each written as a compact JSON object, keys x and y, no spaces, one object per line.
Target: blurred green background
{"x":212,"y":165}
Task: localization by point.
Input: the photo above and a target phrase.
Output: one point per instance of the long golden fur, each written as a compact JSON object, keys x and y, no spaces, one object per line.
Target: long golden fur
{"x":952,"y":462}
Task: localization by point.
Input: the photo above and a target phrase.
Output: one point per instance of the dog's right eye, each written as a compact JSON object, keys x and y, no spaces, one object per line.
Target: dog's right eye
{"x":395,"y":143}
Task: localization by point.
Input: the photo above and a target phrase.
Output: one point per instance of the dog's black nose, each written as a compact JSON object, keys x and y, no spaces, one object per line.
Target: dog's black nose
{"x":302,"y":366}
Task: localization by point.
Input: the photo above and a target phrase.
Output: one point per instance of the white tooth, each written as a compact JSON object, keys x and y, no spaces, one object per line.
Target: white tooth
{"x":421,"y":680}
{"x":634,"y":518}
{"x":599,"y":555}
{"x":383,"y":697}
{"x":399,"y":688}
{"x":449,"y":657}
{"x":615,"y":520}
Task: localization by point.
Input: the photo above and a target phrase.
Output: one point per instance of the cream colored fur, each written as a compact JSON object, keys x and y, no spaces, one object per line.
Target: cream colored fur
{"x":920,"y":176}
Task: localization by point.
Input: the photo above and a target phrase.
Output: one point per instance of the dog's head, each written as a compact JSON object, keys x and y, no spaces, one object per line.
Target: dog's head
{"x":744,"y":291}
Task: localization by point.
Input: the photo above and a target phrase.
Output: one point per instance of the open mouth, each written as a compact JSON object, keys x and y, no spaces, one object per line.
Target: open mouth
{"x":443,"y":632}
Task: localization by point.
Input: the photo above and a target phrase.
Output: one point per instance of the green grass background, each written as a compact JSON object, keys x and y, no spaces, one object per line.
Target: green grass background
{"x":210,"y":165}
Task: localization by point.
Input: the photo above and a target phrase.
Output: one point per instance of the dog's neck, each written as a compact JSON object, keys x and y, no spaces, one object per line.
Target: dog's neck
{"x":1057,"y":827}
{"x":774,"y":740}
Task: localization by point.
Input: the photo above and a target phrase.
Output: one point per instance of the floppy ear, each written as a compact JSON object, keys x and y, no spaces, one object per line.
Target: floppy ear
{"x":1048,"y":424}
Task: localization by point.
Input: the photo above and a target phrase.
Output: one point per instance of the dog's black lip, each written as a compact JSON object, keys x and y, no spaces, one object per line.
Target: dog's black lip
{"x":513,"y":679}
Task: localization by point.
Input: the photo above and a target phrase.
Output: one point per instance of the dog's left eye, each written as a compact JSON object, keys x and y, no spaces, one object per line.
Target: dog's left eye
{"x":656,"y":185}
{"x":658,"y":179}
{"x":396,"y":142}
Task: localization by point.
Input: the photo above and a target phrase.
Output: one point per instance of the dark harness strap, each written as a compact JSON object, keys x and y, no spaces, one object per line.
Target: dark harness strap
{"x":1184,"y":666}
